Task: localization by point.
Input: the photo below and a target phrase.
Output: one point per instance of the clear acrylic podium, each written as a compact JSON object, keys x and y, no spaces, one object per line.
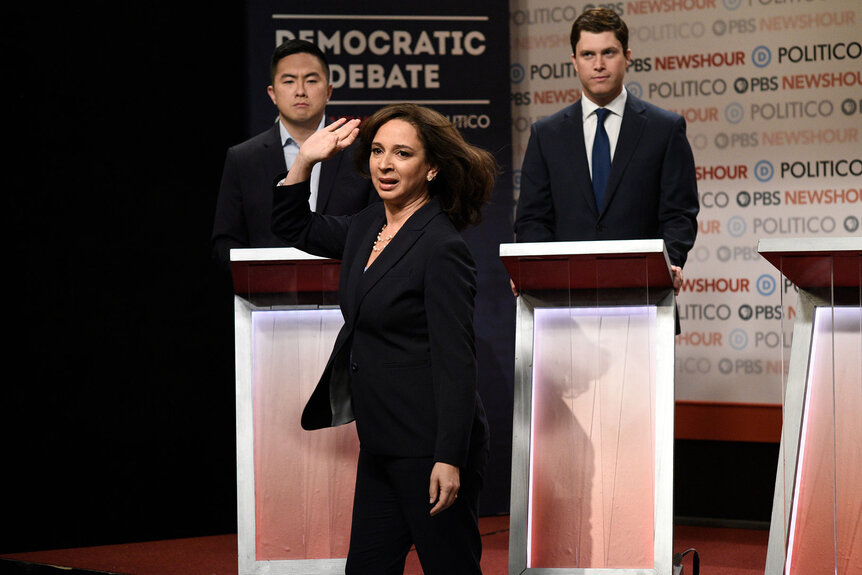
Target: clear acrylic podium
{"x":294,"y":487}
{"x":816,"y":525}
{"x":592,"y":454}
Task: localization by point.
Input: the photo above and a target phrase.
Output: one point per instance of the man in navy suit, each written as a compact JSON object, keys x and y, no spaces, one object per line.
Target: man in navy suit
{"x":647,"y":188}
{"x":300,"y":89}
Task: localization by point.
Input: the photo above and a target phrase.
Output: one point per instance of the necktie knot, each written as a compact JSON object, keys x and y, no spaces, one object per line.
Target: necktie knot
{"x":601,"y":114}
{"x":601,"y":158}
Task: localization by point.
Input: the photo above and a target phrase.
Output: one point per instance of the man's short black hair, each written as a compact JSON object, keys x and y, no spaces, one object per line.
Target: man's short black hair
{"x":290,"y":47}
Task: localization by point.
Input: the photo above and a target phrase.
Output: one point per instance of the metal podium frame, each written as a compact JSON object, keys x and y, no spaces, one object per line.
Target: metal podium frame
{"x":270,"y":290}
{"x":594,"y":255}
{"x":803,"y":261}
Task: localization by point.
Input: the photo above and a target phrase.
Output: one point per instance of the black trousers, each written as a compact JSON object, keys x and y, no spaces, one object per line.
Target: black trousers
{"x":391,"y":513}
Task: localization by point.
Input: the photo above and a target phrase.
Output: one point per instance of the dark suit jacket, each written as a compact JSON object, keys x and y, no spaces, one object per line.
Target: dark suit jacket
{"x":404,"y":363}
{"x":244,"y":209}
{"x":651,"y":191}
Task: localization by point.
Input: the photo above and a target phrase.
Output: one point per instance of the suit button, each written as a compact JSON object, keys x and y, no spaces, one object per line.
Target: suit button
{"x":354,"y":367}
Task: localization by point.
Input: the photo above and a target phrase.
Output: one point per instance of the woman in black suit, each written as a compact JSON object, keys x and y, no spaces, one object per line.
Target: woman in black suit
{"x":404,"y":364}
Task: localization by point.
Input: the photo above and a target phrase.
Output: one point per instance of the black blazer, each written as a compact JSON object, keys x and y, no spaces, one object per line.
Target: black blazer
{"x":651,"y":191}
{"x":404,"y":363}
{"x":244,"y":209}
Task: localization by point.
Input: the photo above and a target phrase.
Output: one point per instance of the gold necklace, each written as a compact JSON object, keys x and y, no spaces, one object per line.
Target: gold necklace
{"x":381,"y":240}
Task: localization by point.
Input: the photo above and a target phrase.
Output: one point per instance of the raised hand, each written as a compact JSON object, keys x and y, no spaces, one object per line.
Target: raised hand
{"x":322,"y":145}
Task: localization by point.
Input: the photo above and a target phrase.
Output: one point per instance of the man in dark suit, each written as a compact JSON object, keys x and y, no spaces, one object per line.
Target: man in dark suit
{"x":300,"y":90}
{"x":629,"y":176}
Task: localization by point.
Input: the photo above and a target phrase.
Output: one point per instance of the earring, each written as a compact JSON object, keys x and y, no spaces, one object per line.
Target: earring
{"x":430,"y":177}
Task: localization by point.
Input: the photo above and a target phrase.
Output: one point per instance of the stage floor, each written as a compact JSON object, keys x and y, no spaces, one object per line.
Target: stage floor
{"x":722,"y":551}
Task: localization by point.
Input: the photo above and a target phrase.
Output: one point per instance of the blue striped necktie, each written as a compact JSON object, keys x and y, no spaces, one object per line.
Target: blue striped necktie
{"x":601,"y":157}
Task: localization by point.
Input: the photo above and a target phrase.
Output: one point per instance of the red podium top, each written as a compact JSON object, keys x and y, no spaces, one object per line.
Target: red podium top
{"x":588,"y":265}
{"x":282,"y":270}
{"x":816,"y":262}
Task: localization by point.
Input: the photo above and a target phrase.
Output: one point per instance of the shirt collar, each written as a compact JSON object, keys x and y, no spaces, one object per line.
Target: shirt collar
{"x":287,"y":139}
{"x":617,"y":105}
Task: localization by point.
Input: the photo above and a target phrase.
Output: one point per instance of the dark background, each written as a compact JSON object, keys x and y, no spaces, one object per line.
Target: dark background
{"x":118,"y":399}
{"x":117,"y":410}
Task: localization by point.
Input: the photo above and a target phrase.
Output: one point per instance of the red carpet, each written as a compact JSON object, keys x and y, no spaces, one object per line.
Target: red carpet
{"x":722,"y":552}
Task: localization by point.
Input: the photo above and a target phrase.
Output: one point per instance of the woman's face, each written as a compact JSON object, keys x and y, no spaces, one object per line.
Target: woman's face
{"x":397,"y":164}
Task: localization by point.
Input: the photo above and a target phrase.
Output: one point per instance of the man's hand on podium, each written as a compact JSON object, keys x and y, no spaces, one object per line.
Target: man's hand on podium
{"x":677,"y":279}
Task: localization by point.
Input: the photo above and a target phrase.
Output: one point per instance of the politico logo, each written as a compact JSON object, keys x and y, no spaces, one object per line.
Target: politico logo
{"x":772,"y":339}
{"x":552,"y":71}
{"x":822,"y":169}
{"x":544,"y":15}
{"x":705,"y":312}
{"x":794,"y":225}
{"x":693,"y":365}
{"x":687,"y":88}
{"x":714,"y":199}
{"x":667,"y":31}
{"x":820,"y":52}
{"x":791,"y":109}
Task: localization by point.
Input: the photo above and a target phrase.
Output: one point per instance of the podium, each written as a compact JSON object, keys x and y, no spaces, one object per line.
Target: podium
{"x":592,"y":453}
{"x":294,"y":487}
{"x":816,"y":524}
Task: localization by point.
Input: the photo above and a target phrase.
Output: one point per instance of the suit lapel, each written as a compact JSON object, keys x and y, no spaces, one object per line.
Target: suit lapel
{"x":273,"y":152}
{"x":631,"y":131}
{"x":400,"y":245}
{"x":572,"y":138}
{"x":356,"y":259}
{"x":328,"y":169}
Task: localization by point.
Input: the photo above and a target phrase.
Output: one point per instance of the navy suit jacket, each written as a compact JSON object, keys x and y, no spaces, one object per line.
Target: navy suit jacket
{"x":243,"y":214}
{"x":404,"y":363}
{"x":651,"y":191}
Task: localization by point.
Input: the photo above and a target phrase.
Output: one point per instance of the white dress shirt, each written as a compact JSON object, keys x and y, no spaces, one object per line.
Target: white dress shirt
{"x":291,"y":149}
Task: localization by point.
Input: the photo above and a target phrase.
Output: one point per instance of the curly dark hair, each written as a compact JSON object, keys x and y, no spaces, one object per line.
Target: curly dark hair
{"x":465,"y":177}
